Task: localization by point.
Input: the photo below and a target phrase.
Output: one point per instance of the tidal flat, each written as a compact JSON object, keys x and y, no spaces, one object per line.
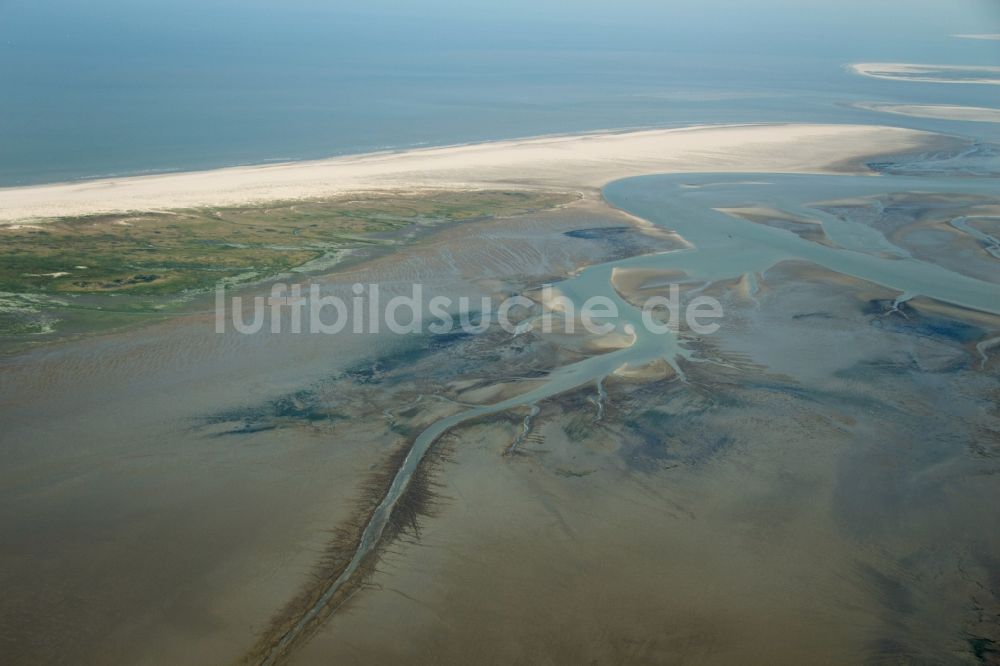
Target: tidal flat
{"x":214,"y":461}
{"x":815,"y":478}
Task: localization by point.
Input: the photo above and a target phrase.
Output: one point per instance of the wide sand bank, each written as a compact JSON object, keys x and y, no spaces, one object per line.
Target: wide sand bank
{"x":589,"y":160}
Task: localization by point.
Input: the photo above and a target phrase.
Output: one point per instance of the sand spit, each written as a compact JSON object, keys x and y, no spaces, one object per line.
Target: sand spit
{"x":986,"y":36}
{"x":805,"y":227}
{"x":976,"y":114}
{"x":587,"y":160}
{"x":629,"y":282}
{"x":897,"y":71}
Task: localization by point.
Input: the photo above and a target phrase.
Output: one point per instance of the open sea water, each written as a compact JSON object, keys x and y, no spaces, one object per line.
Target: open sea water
{"x":110,"y":88}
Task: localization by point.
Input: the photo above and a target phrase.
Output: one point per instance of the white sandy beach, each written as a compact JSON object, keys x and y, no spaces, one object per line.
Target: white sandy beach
{"x":575,"y":161}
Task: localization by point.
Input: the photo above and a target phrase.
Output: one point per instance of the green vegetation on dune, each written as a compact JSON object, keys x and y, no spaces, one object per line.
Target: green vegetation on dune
{"x":171,"y":252}
{"x":139,"y":263}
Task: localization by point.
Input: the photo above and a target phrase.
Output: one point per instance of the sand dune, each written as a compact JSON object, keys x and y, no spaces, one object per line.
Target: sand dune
{"x":576,"y":161}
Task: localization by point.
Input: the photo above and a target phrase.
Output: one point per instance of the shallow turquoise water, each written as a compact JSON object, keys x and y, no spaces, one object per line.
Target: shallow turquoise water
{"x":727,"y":247}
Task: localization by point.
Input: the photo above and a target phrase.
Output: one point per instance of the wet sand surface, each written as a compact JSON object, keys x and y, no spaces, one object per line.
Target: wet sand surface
{"x":819,"y":510}
{"x":141,"y":529}
{"x":813,"y":483}
{"x":819,"y":488}
{"x":979,"y":74}
{"x":938,"y":111}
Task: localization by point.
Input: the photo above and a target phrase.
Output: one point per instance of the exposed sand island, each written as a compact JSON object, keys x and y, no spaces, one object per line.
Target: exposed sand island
{"x":977,"y":114}
{"x":589,"y":160}
{"x":897,"y":71}
{"x":986,"y":36}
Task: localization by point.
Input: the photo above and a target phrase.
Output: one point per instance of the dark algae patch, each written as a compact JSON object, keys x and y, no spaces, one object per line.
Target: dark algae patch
{"x":305,"y":406}
{"x":984,"y":650}
{"x":599,"y":233}
{"x":908,"y":320}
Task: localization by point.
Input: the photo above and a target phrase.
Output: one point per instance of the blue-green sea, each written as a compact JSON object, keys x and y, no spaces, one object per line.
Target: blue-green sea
{"x":108,"y":87}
